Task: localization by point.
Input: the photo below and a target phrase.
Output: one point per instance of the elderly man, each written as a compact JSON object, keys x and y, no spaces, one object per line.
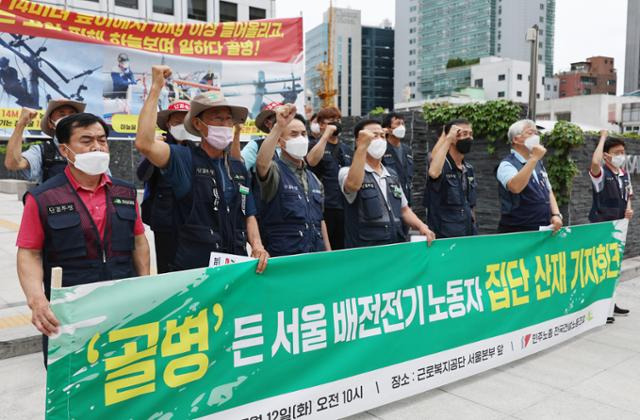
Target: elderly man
{"x":376,"y":205}
{"x":41,"y":161}
{"x":81,"y":220}
{"x":526,"y":198}
{"x":211,"y":187}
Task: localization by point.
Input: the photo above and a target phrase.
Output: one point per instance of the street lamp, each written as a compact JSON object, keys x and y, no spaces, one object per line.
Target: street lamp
{"x":532,"y":36}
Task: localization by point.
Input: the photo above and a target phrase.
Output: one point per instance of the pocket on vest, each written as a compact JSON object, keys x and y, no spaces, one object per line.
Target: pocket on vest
{"x":195,"y":245}
{"x":371,"y":206}
{"x":122,"y":228}
{"x":293,"y":206}
{"x":377,"y":233}
{"x":454,"y":223}
{"x":67,"y":236}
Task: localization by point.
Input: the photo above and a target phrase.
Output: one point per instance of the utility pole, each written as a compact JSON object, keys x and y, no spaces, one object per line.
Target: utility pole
{"x":532,"y":36}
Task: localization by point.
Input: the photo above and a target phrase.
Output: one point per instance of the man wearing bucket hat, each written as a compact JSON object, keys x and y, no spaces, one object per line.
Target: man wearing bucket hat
{"x":41,"y":161}
{"x":211,"y":187}
{"x":159,"y":206}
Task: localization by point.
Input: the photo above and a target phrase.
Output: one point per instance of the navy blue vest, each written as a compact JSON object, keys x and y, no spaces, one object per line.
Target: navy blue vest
{"x":291,"y":221}
{"x":71,"y":237}
{"x":53,"y":163}
{"x":211,"y":224}
{"x":336,"y":156}
{"x":531,"y":208}
{"x":403,"y":167}
{"x":369,"y":220}
{"x":611,"y":202}
{"x":450,"y":206}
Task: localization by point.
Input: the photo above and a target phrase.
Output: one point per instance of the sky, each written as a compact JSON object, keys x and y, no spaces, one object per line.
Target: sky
{"x":584,"y":28}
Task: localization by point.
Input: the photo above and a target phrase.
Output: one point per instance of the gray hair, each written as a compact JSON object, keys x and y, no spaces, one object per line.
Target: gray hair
{"x":518,"y":127}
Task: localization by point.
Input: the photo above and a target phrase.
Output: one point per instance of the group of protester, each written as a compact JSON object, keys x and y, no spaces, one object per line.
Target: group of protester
{"x":299,"y":189}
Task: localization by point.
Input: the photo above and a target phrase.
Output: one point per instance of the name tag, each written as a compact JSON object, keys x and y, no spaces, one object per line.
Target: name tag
{"x":61,"y":208}
{"x":367,"y":185}
{"x":123,"y":201}
{"x":205,"y":171}
{"x":243,"y":190}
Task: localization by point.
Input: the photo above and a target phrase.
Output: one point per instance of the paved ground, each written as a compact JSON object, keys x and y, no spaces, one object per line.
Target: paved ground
{"x":595,"y":376}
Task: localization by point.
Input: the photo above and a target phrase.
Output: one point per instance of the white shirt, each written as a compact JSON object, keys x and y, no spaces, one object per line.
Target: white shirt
{"x":381,"y":180}
{"x":598,"y":181}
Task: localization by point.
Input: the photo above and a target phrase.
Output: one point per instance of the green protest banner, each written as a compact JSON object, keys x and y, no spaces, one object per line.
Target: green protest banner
{"x":327,"y":334}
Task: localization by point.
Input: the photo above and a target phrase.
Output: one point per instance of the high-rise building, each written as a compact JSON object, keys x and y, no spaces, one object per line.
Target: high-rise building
{"x":594,"y":76}
{"x":632,"y":55}
{"x":377,"y":68}
{"x":445,"y":37}
{"x":187,"y":11}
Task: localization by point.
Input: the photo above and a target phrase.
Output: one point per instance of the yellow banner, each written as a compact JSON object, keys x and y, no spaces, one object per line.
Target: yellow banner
{"x":9,"y":118}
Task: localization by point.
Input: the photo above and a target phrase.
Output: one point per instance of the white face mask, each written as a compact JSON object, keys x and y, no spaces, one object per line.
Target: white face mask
{"x":531,"y":142}
{"x":219,"y":137}
{"x":618,"y":161}
{"x":315,"y":128}
{"x":180,"y":133}
{"x":91,"y":163}
{"x":297,"y":147}
{"x":377,"y":148}
{"x":399,"y":132}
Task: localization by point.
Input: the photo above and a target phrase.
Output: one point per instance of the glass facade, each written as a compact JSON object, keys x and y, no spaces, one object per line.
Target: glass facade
{"x":377,"y":68}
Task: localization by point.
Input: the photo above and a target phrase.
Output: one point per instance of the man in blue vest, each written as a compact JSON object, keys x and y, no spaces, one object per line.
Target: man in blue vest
{"x":159,"y":207}
{"x":398,"y":156}
{"x":526,"y":199}
{"x":212,"y":187}
{"x":612,"y":189}
{"x":451,"y":183}
{"x":41,"y":161}
{"x":326,"y":157}
{"x":292,"y":196}
{"x":376,"y":205}
{"x":81,"y":220}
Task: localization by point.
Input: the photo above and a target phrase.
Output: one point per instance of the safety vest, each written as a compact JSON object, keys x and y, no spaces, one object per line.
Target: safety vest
{"x":335,"y":156}
{"x":530,"y":209}
{"x":53,"y":163}
{"x":291,"y":221}
{"x":71,"y":237}
{"x":211,"y":224}
{"x":403,"y":167}
{"x":369,"y":220}
{"x":611,"y":202}
{"x":450,"y":206}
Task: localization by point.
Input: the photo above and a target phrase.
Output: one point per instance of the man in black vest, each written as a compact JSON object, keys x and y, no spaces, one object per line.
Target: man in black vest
{"x":81,"y":220}
{"x":526,"y":199}
{"x":376,"y":205}
{"x":292,"y":196}
{"x":326,"y":157}
{"x":612,"y":189}
{"x":398,"y":156}
{"x":451,"y":183}
{"x":41,"y":161}
{"x":212,"y":187}
{"x":159,"y":206}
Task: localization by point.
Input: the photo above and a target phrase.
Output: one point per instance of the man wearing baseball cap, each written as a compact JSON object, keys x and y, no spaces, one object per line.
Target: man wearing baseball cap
{"x":211,"y":187}
{"x":159,"y":206}
{"x":41,"y":161}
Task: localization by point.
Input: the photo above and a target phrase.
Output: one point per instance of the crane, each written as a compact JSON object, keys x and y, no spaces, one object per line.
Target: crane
{"x":328,"y":92}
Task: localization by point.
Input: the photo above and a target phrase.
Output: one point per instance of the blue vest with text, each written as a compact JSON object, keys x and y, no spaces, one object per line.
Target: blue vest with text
{"x":611,"y":202}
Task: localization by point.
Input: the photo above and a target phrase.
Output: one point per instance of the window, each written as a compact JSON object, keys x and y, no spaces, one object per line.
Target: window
{"x":540,"y":57}
{"x":228,"y":11}
{"x":131,"y":4}
{"x":413,"y":8}
{"x":412,"y":52}
{"x":478,"y":83}
{"x":412,"y":19}
{"x":541,"y":6}
{"x":519,"y":94}
{"x":519,"y":76}
{"x":541,"y":32}
{"x":163,"y":6}
{"x":541,"y":19}
{"x":538,"y":96}
{"x":555,"y":88}
{"x":197,"y":9}
{"x":412,"y":30}
{"x":501,"y":94}
{"x":257,"y":13}
{"x":501,"y":77}
{"x":540,"y":44}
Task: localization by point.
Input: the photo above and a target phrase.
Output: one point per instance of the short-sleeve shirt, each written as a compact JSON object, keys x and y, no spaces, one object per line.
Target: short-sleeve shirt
{"x":31,"y":233}
{"x":381,"y":179}
{"x":269,"y":185}
{"x":506,"y":171}
{"x":179,"y":173}
{"x":598,"y":181}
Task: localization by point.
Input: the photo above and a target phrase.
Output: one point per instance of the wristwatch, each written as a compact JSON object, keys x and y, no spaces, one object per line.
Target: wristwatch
{"x":557,"y":214}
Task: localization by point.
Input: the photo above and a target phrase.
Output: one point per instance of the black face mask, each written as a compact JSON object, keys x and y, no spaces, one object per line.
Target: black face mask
{"x":338,"y":128}
{"x":464,"y":145}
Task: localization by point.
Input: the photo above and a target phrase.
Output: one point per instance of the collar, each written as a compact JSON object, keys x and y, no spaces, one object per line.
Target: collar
{"x":519,"y":156}
{"x":291,"y":164}
{"x":620,"y":170}
{"x":368,"y":168}
{"x":105,"y":180}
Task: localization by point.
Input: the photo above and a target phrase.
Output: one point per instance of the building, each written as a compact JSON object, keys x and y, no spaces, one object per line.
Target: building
{"x":596,"y":75}
{"x":596,"y":112}
{"x":377,"y":68}
{"x":347,"y":58}
{"x":632,"y":55}
{"x":436,"y":41}
{"x":551,"y":88}
{"x":505,"y":78}
{"x":175,"y":11}
{"x":631,"y":117}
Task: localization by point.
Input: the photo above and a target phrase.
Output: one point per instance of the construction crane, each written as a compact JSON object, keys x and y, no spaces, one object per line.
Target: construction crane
{"x":328,"y":92}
